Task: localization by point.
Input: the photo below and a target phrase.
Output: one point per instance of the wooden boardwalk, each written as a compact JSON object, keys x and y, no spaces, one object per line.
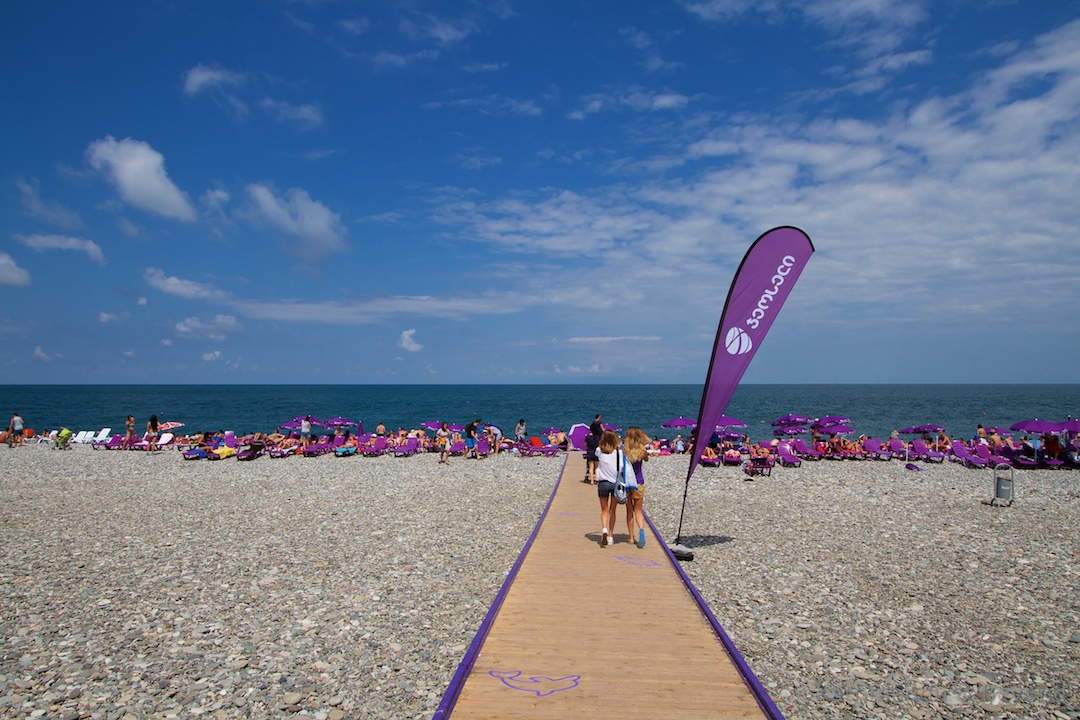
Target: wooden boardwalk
{"x":580,"y":631}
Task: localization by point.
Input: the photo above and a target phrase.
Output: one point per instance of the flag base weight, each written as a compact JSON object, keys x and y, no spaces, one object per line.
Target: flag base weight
{"x":681,"y":553}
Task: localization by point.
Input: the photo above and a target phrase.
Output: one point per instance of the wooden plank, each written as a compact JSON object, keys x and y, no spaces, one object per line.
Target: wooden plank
{"x":588,"y":632}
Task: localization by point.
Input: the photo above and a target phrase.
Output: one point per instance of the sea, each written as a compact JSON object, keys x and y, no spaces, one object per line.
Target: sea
{"x":875,"y":410}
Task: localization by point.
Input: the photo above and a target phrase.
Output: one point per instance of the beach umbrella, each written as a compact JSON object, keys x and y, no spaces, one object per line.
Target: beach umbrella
{"x":1071,"y":425}
{"x":338,"y":422}
{"x":729,"y":435}
{"x":790,"y":420}
{"x":578,"y":433}
{"x":612,"y":428}
{"x":790,"y":430}
{"x":910,"y":431}
{"x":729,"y":422}
{"x":166,"y":426}
{"x":300,"y":418}
{"x":999,"y":430}
{"x":431,"y":424}
{"x":679,"y":422}
{"x":550,"y":430}
{"x":838,"y":429}
{"x":1035,"y":426}
{"x":822,"y":423}
{"x":454,"y":427}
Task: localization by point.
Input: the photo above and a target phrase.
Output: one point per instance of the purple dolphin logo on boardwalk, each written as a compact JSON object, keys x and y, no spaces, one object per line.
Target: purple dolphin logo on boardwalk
{"x":537,"y":684}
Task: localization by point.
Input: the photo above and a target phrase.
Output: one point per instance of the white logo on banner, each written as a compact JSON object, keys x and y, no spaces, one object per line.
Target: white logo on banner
{"x":738,"y":342}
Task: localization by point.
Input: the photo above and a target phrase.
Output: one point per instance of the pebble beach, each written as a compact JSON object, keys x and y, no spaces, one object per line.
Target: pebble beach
{"x":146,"y":586}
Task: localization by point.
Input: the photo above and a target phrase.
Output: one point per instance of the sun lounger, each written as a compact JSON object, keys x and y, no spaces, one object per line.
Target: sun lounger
{"x":250,"y":452}
{"x":113,"y":443}
{"x":758,"y":466}
{"x":375,"y":450}
{"x":805,"y":452}
{"x":408,"y":449}
{"x":990,"y":456}
{"x":921,"y":451}
{"x":964,"y":456}
{"x":787,"y":458}
{"x":898,"y":449}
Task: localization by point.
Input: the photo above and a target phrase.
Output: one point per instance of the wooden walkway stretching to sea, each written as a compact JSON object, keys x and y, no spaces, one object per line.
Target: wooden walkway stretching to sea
{"x":580,"y":631}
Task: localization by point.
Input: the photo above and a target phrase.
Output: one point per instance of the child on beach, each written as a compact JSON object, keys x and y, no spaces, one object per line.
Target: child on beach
{"x":636,"y":449}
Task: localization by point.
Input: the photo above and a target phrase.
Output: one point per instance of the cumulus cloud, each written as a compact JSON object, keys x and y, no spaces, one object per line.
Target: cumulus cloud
{"x":407,"y":342}
{"x":633,"y":98}
{"x":211,"y":356}
{"x":62,"y":242}
{"x":319,"y":230}
{"x":614,"y":338}
{"x":141,"y":302}
{"x":138,"y":172}
{"x":48,"y":211}
{"x":105,"y":317}
{"x":188,"y":289}
{"x":11,"y":273}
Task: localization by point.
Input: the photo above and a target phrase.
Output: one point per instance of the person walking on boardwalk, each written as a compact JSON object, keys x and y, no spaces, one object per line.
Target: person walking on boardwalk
{"x":607,"y":473}
{"x":592,"y":442}
{"x":636,"y":449}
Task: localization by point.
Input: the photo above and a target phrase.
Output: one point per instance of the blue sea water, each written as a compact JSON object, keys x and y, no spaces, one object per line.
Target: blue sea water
{"x":873,"y":409}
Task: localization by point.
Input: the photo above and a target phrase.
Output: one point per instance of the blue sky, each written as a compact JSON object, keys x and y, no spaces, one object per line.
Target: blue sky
{"x":556,"y":192}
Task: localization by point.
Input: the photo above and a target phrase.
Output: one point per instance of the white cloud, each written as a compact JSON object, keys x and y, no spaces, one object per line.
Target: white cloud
{"x":215,"y":329}
{"x":201,"y":78}
{"x":42,"y":355}
{"x":138,"y":172}
{"x":615,"y":338}
{"x":11,"y":273}
{"x":307,"y":115}
{"x":634,"y":98}
{"x":215,"y":199}
{"x":319,"y":230}
{"x":166,"y":342}
{"x":407,"y":342}
{"x":211,"y":356}
{"x":189,"y":289}
{"x":141,"y":302}
{"x":106,"y":317}
{"x":62,"y":242}
{"x":128,"y":353}
{"x":355,"y":26}
{"x":48,"y":211}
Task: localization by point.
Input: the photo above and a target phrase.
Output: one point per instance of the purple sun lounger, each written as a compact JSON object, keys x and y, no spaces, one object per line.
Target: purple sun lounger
{"x":919,"y":448}
{"x":786,"y":457}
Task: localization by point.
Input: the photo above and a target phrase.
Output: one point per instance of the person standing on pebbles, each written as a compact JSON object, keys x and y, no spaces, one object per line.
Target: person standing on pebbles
{"x":636,"y":449}
{"x":607,"y":473}
{"x":442,"y":439}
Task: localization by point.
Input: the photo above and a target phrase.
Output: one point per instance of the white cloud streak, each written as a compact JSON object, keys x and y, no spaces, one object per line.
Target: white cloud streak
{"x":48,"y":211}
{"x":63,"y":242}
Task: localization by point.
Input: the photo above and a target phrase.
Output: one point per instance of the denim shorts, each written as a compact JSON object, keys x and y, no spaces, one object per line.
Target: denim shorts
{"x":605,"y":488}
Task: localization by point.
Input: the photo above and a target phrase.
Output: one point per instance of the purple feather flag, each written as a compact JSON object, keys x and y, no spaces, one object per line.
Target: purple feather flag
{"x":763,"y":282}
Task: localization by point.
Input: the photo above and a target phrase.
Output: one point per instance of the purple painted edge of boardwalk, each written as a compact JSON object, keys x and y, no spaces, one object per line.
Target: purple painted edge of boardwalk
{"x":764,"y":700}
{"x":457,"y":682}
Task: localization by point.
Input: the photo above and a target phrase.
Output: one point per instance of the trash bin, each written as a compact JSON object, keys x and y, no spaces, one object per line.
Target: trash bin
{"x":1004,"y":484}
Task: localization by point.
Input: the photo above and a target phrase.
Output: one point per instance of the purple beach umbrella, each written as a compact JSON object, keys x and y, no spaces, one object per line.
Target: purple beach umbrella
{"x":1071,"y":425}
{"x":790,"y":430}
{"x":1035,"y":426}
{"x":454,"y":427}
{"x":822,"y":423}
{"x":838,"y":429}
{"x":431,"y":424}
{"x":679,"y":422}
{"x":548,"y":431}
{"x":790,"y":420}
{"x":729,"y":422}
{"x":339,"y":422}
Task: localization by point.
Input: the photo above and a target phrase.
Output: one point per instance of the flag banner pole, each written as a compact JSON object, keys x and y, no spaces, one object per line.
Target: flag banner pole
{"x":762,"y":283}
